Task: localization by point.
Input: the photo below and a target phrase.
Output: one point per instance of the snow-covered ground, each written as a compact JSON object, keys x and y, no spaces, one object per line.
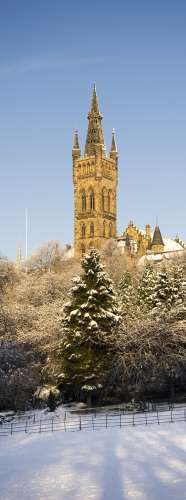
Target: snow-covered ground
{"x":114,"y":464}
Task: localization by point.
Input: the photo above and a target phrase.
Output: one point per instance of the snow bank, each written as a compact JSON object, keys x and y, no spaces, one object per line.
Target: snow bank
{"x":130,"y":463}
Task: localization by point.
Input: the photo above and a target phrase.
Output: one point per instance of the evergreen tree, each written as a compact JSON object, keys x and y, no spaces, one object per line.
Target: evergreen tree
{"x":165,"y":290}
{"x":171,"y":287}
{"x":51,"y":401}
{"x":126,"y":292}
{"x":88,"y":318}
{"x":146,"y":289}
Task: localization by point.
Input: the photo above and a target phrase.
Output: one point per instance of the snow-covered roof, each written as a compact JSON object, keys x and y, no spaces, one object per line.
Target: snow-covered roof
{"x":69,"y":254}
{"x":170,"y":245}
{"x":156,"y":258}
{"x":153,"y":258}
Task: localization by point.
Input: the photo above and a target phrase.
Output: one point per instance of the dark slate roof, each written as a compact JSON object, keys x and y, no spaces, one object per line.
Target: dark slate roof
{"x":157,"y":237}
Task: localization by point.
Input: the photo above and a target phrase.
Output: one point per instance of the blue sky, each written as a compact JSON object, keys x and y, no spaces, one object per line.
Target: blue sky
{"x":52,"y":51}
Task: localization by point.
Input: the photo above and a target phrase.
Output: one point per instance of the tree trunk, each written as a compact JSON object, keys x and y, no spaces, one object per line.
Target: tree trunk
{"x":172,"y":389}
{"x":89,"y":400}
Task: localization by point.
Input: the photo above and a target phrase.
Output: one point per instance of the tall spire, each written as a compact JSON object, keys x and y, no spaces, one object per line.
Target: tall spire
{"x":19,"y":258}
{"x":95,"y":133}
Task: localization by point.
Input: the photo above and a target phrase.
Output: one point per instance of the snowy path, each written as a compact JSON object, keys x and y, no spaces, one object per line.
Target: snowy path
{"x":113,"y":464}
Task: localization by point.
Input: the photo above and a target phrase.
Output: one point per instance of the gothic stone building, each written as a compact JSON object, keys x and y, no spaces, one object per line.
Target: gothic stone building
{"x":95,"y":177}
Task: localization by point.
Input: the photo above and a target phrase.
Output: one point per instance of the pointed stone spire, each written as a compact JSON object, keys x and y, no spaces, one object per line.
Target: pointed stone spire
{"x":19,"y":258}
{"x":76,"y":153}
{"x":95,"y":133}
{"x":113,"y":145}
{"x":76,"y":140}
{"x":113,"y":149}
{"x":157,"y":244}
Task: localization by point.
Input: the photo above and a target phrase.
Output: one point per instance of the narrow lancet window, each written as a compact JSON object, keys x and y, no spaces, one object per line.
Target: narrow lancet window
{"x":83,"y":200}
{"x":83,"y":250}
{"x":92,"y":200}
{"x":109,"y":201}
{"x":91,"y":229}
{"x":103,"y":201}
{"x":83,"y":230}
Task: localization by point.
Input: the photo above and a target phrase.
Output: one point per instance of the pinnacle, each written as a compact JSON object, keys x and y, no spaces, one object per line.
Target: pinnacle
{"x":76,"y":141}
{"x":113,"y":145}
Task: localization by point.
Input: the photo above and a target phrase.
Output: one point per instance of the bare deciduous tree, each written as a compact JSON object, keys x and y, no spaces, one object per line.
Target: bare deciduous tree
{"x":150,"y":351}
{"x":45,"y":256}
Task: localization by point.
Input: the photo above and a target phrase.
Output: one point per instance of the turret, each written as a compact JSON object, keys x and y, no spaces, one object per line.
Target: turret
{"x":157,"y":245}
{"x":113,"y":149}
{"x":76,"y":153}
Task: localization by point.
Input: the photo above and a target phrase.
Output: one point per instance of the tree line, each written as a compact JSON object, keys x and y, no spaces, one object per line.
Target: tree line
{"x":96,"y":329}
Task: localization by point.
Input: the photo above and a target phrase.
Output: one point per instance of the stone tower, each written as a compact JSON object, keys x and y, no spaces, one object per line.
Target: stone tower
{"x":95,"y":178}
{"x":157,"y":241}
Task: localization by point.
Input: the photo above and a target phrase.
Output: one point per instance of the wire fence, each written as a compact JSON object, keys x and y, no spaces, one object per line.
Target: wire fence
{"x":79,"y":423}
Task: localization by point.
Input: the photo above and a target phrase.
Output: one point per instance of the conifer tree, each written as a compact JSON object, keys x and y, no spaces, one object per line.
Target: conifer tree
{"x":126,"y":292}
{"x":146,"y":289}
{"x":88,"y":319}
{"x":171,"y":287}
{"x":164,"y":290}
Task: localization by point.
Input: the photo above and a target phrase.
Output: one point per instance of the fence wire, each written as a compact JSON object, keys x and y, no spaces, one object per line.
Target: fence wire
{"x":94,"y":422}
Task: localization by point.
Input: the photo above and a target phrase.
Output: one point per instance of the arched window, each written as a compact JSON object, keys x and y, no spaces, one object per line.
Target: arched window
{"x":109,"y":201}
{"x":91,"y":229}
{"x":83,"y":230}
{"x":104,"y":228}
{"x":92,"y":200}
{"x":83,"y":250}
{"x":103,"y":200}
{"x":83,"y":201}
{"x":110,"y":230}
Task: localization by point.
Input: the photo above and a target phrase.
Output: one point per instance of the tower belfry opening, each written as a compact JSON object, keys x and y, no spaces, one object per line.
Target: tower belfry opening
{"x":95,"y":178}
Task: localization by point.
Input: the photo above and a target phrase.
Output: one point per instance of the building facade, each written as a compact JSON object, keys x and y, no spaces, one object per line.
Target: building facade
{"x":95,"y":178}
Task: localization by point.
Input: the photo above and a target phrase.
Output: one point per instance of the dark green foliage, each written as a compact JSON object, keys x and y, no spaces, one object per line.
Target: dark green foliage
{"x":126,"y":292}
{"x":89,"y":317}
{"x":51,"y":401}
{"x":146,"y":290}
